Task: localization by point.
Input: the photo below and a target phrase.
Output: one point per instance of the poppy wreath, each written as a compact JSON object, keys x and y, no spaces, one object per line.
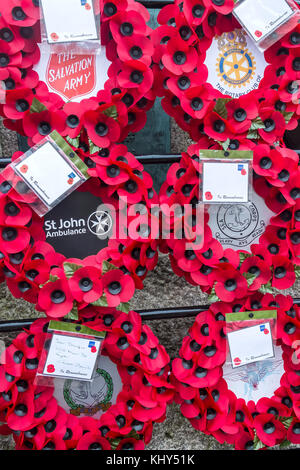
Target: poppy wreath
{"x":204,"y":395}
{"x":94,"y":123}
{"x":27,"y":260}
{"x":37,"y":421}
{"x":260,"y":116}
{"x":226,"y":274}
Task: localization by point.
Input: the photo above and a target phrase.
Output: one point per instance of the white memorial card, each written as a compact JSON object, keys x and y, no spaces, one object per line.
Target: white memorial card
{"x":261,"y":17}
{"x":72,"y":357}
{"x":251,"y":344}
{"x":225,"y":182}
{"x":69,"y":20}
{"x":48,"y":173}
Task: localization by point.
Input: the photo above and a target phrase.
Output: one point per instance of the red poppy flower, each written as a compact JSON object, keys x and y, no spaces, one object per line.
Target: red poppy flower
{"x":55,"y":299}
{"x":283,"y":274}
{"x":179,"y":58}
{"x":230,"y":284}
{"x":274,"y":125}
{"x":101,"y":129}
{"x":269,"y":430}
{"x":93,"y":441}
{"x":85,"y":285}
{"x":38,"y":125}
{"x":259,"y":268}
{"x":118,"y":287}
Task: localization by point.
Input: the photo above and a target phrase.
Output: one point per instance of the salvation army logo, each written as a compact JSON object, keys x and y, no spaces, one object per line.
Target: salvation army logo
{"x":235,"y":64}
{"x":100,"y":223}
{"x":71,"y":75}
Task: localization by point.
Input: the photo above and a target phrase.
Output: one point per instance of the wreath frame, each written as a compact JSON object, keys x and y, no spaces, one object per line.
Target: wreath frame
{"x":31,"y":110}
{"x":203,"y":394}
{"x":140,"y":360}
{"x":261,"y":116}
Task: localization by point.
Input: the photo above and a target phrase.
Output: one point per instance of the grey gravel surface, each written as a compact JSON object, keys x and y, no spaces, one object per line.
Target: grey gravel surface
{"x":162,"y":289}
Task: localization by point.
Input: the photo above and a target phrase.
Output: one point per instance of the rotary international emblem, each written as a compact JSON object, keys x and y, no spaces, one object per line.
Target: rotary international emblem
{"x":235,"y":63}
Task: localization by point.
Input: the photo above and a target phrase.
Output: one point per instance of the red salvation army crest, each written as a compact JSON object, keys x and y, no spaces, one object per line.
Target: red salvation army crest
{"x":71,"y":75}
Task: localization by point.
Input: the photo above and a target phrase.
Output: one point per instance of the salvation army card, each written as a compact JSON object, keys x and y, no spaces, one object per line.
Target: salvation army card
{"x":225,"y":182}
{"x":72,"y":357}
{"x":48,"y":174}
{"x":251,"y":344}
{"x":69,"y":20}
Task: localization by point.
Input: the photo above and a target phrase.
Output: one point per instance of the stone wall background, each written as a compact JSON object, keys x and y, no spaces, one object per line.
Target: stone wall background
{"x":162,"y":289}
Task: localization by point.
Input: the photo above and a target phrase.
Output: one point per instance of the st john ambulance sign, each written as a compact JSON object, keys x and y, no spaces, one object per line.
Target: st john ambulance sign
{"x":79,"y":226}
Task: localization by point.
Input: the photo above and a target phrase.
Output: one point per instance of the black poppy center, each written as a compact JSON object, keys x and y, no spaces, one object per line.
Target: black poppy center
{"x":131,"y":186}
{"x":58,"y":296}
{"x":101,"y":129}
{"x":114,"y":288}
{"x":4,"y":60}
{"x":18,"y":14}
{"x":269,"y":125}
{"x":6,"y":35}
{"x":179,"y":58}
{"x":198,"y":10}
{"x":85,"y":284}
{"x":230,"y":285}
{"x":136,"y":77}
{"x":110,"y":9}
{"x":126,"y":29}
{"x":72,"y":121}
{"x":280,"y":272}
{"x":219,"y":126}
{"x":183,"y":83}
{"x":240,"y":115}
{"x":269,"y":427}
{"x":185,"y":32}
{"x":9,"y":234}
{"x":265,"y":163}
{"x":136,"y":52}
{"x":197,"y":104}
{"x":44,"y":128}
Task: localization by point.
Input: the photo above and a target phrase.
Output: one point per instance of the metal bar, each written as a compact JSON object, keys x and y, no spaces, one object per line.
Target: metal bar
{"x":151,"y":314}
{"x":145,"y":159}
{"x":151,"y":159}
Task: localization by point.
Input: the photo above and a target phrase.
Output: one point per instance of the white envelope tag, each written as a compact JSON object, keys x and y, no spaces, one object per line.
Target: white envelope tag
{"x":225,"y":182}
{"x":261,"y":17}
{"x":71,"y":356}
{"x":251,"y":344}
{"x":69,"y":20}
{"x":47,"y":173}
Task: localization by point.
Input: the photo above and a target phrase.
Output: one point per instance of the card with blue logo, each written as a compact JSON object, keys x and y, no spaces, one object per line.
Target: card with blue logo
{"x":69,"y":20}
{"x":251,"y":344}
{"x":225,"y":182}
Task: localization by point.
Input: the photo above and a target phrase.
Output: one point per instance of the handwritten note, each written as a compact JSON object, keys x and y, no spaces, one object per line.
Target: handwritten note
{"x":72,"y":357}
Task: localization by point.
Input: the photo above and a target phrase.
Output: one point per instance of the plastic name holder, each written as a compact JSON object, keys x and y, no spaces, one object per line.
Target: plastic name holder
{"x":254,"y":364}
{"x":266,"y":21}
{"x":70,"y":351}
{"x":226,"y":176}
{"x":71,"y":21}
{"x":251,"y":336}
{"x":47,"y":173}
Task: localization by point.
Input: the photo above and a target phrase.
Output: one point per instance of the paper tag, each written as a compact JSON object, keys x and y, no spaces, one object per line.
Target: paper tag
{"x":69,"y":20}
{"x":261,"y":17}
{"x":72,"y":357}
{"x":48,"y":174}
{"x":251,"y":344}
{"x":225,"y":182}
